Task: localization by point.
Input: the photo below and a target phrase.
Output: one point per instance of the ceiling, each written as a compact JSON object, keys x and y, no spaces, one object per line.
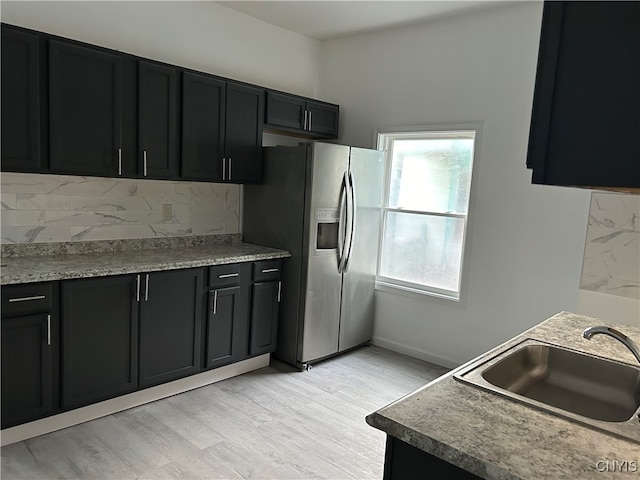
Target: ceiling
{"x":324,"y":20}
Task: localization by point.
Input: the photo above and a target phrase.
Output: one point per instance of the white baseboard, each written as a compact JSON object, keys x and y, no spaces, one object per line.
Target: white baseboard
{"x":415,"y":352}
{"x":108,"y":407}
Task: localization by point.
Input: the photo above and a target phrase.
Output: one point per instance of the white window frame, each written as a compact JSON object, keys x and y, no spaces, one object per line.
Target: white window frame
{"x":382,"y":137}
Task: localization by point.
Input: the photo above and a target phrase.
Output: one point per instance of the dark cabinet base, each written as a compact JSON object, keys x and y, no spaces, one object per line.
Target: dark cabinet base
{"x":405,"y":462}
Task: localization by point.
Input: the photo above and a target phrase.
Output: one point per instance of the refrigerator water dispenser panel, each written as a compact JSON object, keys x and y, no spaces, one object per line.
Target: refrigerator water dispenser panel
{"x":327,"y":229}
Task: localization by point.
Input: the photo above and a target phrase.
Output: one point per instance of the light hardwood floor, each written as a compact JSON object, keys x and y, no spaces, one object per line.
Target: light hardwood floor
{"x":274,"y":423}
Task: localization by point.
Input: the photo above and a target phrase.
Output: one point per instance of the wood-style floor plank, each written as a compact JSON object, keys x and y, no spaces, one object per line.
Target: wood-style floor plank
{"x":274,"y":423}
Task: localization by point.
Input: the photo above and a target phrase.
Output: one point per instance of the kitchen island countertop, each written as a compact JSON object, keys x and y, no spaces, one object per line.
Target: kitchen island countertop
{"x":98,"y":263}
{"x":497,"y":438}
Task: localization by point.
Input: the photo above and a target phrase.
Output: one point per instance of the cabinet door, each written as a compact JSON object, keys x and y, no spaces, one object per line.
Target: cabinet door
{"x":203,"y":99}
{"x":170,"y":325}
{"x":27,"y":360}
{"x":157,"y":120}
{"x":586,"y":106}
{"x":243,"y":133}
{"x":227,"y":326}
{"x":85,"y":94}
{"x":286,"y":111}
{"x":322,"y":119}
{"x":264,"y":317}
{"x":22,"y":102}
{"x":100,"y":337}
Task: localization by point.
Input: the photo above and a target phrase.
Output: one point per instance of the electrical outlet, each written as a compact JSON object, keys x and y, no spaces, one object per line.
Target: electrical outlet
{"x":167,"y":212}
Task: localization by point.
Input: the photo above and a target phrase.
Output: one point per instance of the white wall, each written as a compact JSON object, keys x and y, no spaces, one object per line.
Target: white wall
{"x":525,"y":242}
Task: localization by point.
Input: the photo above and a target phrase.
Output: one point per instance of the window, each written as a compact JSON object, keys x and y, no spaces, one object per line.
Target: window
{"x":428,"y":181}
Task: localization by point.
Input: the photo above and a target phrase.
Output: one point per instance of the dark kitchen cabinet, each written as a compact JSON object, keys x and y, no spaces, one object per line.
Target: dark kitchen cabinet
{"x":23,"y":101}
{"x":243,"y":133}
{"x":293,"y":114}
{"x":89,"y":126}
{"x":406,"y":462}
{"x":227,"y":332}
{"x":586,"y":109}
{"x":203,"y":121}
{"x":30,"y":352}
{"x":170,"y":325}
{"x":265,"y":306}
{"x":100,"y":339}
{"x":158,"y":116}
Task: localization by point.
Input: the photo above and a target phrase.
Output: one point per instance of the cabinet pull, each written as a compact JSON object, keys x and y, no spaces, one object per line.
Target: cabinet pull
{"x":138,"y":289}
{"x":146,"y":289}
{"x":279,"y":290}
{"x":224,"y":167}
{"x":230,"y":161}
{"x":305,"y":120}
{"x":309,"y":120}
{"x":144,"y":163}
{"x":48,"y":329}
{"x":119,"y":161}
{"x":228,"y":275}
{"x":215,"y":302}
{"x":269,"y":270}
{"x":26,"y":299}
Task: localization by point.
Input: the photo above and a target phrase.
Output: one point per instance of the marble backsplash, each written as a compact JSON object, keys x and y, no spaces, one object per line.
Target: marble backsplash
{"x":60,"y":208}
{"x":612,"y":248}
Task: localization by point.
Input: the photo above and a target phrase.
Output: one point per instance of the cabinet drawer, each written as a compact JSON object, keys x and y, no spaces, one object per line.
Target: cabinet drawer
{"x":267,"y":270}
{"x":222,"y":275}
{"x":26,"y":299}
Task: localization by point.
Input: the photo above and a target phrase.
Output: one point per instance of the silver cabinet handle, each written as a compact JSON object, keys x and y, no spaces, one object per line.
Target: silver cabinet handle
{"x":48,"y":329}
{"x":138,"y":289}
{"x":144,"y":163}
{"x":215,"y":302}
{"x":230,"y":161}
{"x":309,"y":120}
{"x":228,"y":275}
{"x":305,"y":119}
{"x":119,"y":161}
{"x":146,"y":289}
{"x":270,"y":270}
{"x":224,"y":167}
{"x":279,"y":290}
{"x":27,"y":299}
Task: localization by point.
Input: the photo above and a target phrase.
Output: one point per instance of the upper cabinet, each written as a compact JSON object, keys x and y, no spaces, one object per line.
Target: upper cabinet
{"x":23,"y":101}
{"x":586,"y":110}
{"x":158,"y":103}
{"x":86,"y":98}
{"x":293,"y":114}
{"x":77,"y":109}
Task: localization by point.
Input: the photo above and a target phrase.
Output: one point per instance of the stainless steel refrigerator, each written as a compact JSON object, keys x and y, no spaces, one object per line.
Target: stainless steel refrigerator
{"x":321,"y":202}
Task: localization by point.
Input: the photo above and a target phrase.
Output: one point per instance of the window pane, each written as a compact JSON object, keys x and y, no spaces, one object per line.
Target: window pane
{"x":431,"y":174}
{"x":422,"y":249}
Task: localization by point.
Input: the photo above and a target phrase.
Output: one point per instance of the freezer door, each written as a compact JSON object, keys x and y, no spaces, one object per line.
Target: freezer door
{"x":322,"y":302}
{"x":357,"y":306}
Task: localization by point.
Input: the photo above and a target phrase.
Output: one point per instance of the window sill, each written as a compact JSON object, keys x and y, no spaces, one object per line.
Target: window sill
{"x":406,"y":291}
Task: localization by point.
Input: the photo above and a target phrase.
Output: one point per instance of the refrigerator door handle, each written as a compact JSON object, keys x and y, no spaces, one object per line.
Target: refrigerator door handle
{"x":351,"y":211}
{"x":342,"y":221}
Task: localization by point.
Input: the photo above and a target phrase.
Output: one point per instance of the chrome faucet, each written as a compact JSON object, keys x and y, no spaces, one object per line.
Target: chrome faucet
{"x":612,"y":332}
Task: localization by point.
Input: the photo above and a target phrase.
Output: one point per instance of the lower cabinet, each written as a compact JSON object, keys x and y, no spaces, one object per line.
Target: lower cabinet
{"x":100,"y":338}
{"x":72,"y":343}
{"x":170,"y":325}
{"x":406,"y":462}
{"x":30,"y":349}
{"x":227,"y":332}
{"x":265,"y":306}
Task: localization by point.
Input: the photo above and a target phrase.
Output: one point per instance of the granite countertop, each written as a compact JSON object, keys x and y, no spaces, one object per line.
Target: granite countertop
{"x":497,"y":438}
{"x":59,"y":262}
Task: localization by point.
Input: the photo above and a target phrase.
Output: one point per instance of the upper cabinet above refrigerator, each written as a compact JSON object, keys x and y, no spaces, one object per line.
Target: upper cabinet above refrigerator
{"x":298,"y":115}
{"x":585,"y":122}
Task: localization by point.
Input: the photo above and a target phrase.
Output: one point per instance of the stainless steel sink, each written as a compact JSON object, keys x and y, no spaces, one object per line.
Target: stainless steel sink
{"x":595,"y":391}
